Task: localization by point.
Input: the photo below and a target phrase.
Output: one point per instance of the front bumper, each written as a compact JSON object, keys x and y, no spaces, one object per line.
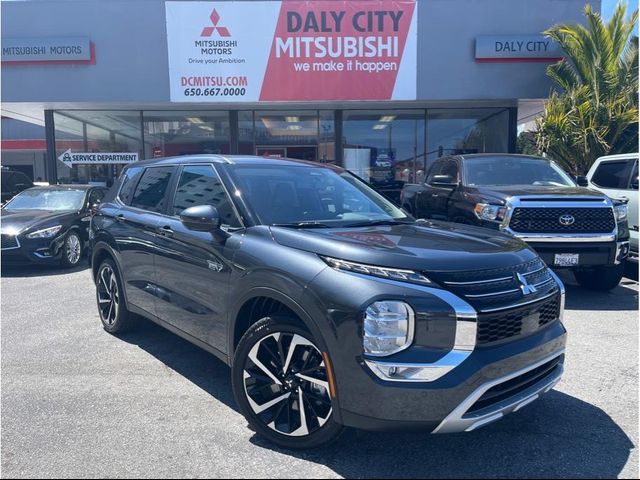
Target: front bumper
{"x":40,"y":251}
{"x":590,"y":254}
{"x":445,"y":405}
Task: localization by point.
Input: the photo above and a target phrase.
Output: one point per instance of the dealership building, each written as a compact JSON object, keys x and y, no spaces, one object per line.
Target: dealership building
{"x":380,"y":87}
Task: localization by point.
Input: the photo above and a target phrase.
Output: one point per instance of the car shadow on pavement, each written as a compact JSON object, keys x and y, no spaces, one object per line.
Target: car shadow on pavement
{"x":13,"y":271}
{"x":196,"y":365}
{"x":557,"y":436}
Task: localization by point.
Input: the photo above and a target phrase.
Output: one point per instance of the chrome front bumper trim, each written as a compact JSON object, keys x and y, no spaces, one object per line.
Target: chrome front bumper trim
{"x":459,"y":421}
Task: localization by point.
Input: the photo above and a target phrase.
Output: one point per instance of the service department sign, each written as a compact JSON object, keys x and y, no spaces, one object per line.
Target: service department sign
{"x":517,"y":48}
{"x":46,"y":49}
{"x":292,"y":50}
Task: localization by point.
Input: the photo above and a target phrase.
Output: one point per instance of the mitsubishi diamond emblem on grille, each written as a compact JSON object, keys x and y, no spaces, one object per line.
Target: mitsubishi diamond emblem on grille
{"x":525,"y":286}
{"x":567,"y":220}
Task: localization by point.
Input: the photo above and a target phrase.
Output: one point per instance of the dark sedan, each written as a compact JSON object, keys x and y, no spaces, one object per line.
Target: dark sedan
{"x":48,"y":225}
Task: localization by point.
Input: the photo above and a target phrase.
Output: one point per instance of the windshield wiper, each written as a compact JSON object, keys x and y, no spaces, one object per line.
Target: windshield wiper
{"x":373,"y":223}
{"x":302,"y":225}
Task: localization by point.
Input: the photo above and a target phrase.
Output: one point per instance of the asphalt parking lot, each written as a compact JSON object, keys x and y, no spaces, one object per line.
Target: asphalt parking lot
{"x":78,"y":402}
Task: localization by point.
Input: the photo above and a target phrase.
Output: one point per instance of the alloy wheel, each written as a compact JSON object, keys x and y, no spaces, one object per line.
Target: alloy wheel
{"x":73,"y":249}
{"x":286,"y":385}
{"x":108,"y":295}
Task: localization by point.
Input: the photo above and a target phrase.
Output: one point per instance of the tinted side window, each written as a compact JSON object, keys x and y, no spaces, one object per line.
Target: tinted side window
{"x":150,"y":193}
{"x":613,"y":174}
{"x":129,"y":181}
{"x":200,"y":185}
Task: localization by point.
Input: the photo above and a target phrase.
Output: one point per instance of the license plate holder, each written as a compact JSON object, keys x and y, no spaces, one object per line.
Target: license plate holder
{"x":566,"y":259}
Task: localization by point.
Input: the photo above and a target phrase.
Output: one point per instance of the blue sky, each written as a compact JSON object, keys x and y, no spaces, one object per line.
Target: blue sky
{"x":608,"y":6}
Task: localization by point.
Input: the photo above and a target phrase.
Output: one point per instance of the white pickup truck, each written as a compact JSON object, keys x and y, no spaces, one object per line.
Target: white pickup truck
{"x":617,"y":177}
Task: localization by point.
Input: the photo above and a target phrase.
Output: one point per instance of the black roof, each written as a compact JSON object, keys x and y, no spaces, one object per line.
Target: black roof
{"x":231,"y":160}
{"x":473,"y":156}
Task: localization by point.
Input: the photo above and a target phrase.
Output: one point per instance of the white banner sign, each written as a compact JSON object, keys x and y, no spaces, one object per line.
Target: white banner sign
{"x":293,"y":50}
{"x":69,"y":158}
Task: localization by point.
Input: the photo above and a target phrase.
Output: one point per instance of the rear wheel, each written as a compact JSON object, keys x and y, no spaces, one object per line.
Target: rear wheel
{"x":112,"y":306}
{"x":602,"y":278}
{"x":281,"y":383}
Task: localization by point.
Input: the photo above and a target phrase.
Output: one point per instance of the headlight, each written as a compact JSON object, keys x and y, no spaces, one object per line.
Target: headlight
{"x":492,"y":213}
{"x":384,"y":272}
{"x":621,"y":212}
{"x":45,"y":232}
{"x":388,"y":328}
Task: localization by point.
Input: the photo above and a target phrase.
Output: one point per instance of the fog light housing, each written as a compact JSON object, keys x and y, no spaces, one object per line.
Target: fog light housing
{"x":388,"y":328}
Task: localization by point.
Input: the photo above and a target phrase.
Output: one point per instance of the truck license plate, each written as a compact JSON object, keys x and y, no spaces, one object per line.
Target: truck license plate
{"x":566,"y":259}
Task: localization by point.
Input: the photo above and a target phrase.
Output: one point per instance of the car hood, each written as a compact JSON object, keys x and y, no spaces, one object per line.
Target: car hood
{"x":429,"y":246}
{"x":17,"y":221}
{"x":504,"y":192}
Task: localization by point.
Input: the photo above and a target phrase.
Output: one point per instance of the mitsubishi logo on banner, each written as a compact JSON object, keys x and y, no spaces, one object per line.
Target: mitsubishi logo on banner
{"x":208,"y":31}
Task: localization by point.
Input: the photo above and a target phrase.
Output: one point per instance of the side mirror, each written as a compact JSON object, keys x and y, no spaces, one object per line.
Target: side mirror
{"x":201,"y":218}
{"x":582,"y":181}
{"x":444,"y":181}
{"x":634,"y":184}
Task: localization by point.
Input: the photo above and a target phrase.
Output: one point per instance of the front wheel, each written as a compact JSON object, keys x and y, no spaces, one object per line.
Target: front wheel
{"x":71,"y":250}
{"x":281,"y":383}
{"x":602,"y":278}
{"x":112,"y":306}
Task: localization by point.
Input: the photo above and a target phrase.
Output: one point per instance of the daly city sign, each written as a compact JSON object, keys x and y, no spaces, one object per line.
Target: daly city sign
{"x":292,"y":50}
{"x":517,"y":48}
{"x":69,"y":158}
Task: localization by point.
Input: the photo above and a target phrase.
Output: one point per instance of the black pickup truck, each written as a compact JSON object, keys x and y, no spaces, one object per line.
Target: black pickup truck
{"x":534,"y":199}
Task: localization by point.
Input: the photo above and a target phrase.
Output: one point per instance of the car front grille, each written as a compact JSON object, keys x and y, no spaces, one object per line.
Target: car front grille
{"x":9,"y":242}
{"x":548,"y":220}
{"x":504,"y":325}
{"x":505,"y":311}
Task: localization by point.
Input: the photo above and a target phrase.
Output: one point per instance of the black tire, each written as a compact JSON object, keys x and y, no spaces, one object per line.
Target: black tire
{"x":269,"y":342}
{"x":603,"y":278}
{"x":72,"y":249}
{"x":112,"y":306}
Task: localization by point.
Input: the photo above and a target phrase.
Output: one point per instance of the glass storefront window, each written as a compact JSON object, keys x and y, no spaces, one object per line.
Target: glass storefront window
{"x":458,"y":131}
{"x":386,"y":148}
{"x":327,"y":137}
{"x":292,"y":134}
{"x":245,"y":133}
{"x":95,"y":131}
{"x":170,"y":133}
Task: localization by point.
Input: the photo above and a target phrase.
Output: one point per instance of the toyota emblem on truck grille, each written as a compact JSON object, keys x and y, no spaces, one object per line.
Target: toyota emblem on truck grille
{"x":567,"y":220}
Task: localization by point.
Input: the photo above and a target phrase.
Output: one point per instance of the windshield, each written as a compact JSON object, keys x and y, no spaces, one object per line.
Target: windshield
{"x":44,"y":199}
{"x":300,"y":195}
{"x":508,"y":171}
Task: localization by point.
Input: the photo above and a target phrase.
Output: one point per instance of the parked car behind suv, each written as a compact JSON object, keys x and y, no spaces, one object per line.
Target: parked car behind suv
{"x":617,"y":177}
{"x":48,"y":225}
{"x":12,"y":183}
{"x":332,"y":306}
{"x":531,"y":198}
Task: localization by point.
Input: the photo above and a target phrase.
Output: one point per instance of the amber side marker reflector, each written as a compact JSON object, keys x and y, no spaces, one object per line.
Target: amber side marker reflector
{"x":332,"y":384}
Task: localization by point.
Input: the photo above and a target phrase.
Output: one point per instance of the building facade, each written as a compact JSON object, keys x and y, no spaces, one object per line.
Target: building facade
{"x":380,"y":87}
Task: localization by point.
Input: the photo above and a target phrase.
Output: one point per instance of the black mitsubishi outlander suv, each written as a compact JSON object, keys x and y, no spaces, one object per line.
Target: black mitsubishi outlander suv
{"x":333,"y":307}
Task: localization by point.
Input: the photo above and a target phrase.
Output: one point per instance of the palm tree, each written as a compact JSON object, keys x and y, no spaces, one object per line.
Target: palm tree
{"x":597,"y":112}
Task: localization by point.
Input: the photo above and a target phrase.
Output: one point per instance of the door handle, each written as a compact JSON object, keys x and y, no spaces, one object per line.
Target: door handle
{"x":434,"y":195}
{"x":120,"y":217}
{"x":165,"y":231}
